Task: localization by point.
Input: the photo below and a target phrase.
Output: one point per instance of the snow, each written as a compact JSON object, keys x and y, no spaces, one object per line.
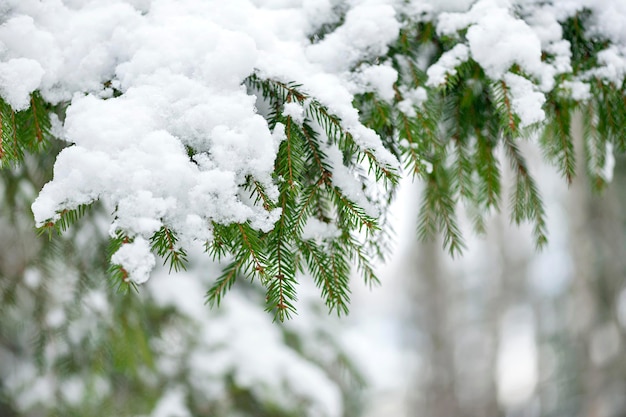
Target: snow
{"x":295,"y":111}
{"x":237,"y":340}
{"x":346,"y":181}
{"x":377,"y":78}
{"x":578,"y":90}
{"x":368,"y":29}
{"x":172,"y":404}
{"x":609,"y":163}
{"x":498,"y":40}
{"x":179,"y":66}
{"x":316,"y":229}
{"x":445,"y":66}
{"x":527,"y":103}
{"x":135,"y":257}
{"x":148,"y":79}
{"x":412,"y":99}
{"x":19,"y":77}
{"x":613,"y":66}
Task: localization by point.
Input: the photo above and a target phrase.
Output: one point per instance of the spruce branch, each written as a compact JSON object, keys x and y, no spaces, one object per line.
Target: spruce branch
{"x":224,"y":282}
{"x":413,"y":160}
{"x":164,"y":243}
{"x":525,"y":201}
{"x":438,"y":211}
{"x":595,"y":148}
{"x":557,"y":143}
{"x":250,"y":244}
{"x":487,"y":167}
{"x":118,"y":277}
{"x":63,"y":220}
{"x":323,"y":274}
{"x":23,"y":131}
{"x":502,"y":100}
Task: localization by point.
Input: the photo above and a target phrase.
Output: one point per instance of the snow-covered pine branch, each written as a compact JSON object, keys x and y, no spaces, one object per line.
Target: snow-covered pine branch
{"x":274,"y":132}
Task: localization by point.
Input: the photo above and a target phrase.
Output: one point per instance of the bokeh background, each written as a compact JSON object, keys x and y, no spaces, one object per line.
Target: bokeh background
{"x":503,"y":330}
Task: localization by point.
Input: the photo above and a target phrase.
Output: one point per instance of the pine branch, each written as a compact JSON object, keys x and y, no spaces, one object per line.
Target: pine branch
{"x":363,"y":260}
{"x":525,"y":201}
{"x":438,"y":211}
{"x":352,"y":216}
{"x":224,"y":282}
{"x":487,"y":168}
{"x":281,"y":293}
{"x":595,"y":148}
{"x":413,"y":160}
{"x":164,"y":243}
{"x":117,"y":275}
{"x":464,"y":170}
{"x":64,"y":220}
{"x":509,"y":120}
{"x":340,"y":267}
{"x":278,"y":91}
{"x":556,"y":141}
{"x":323,"y":274}
{"x":250,"y":244}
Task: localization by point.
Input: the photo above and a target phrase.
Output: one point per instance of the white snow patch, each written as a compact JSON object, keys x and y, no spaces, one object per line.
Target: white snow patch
{"x":135,"y":257}
{"x":377,"y":78}
{"x":578,"y":90}
{"x":446,"y":65}
{"x":526,"y":102}
{"x":295,"y":111}
{"x":412,"y":99}
{"x":609,"y":163}
{"x":19,"y":77}
{"x":316,"y":229}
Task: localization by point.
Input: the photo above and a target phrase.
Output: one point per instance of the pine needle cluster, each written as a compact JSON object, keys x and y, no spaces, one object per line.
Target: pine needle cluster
{"x":304,"y":174}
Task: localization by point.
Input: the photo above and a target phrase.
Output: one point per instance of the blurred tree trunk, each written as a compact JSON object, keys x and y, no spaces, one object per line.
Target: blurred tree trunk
{"x":433,"y":305}
{"x":599,"y":256}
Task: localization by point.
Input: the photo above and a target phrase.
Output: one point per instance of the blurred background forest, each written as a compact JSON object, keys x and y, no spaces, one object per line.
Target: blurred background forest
{"x":503,"y":330}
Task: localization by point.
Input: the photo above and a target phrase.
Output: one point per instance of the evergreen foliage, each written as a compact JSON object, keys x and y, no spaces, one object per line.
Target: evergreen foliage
{"x":63,"y":322}
{"x":450,"y":140}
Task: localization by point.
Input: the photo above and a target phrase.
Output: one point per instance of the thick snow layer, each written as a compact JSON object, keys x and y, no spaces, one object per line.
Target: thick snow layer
{"x":147,"y":80}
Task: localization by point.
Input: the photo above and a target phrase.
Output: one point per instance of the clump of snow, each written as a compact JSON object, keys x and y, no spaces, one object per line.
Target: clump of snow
{"x":609,"y":163}
{"x":498,"y":40}
{"x":295,"y":111}
{"x":377,"y":78}
{"x":412,"y":99}
{"x":19,"y":77}
{"x":346,"y":181}
{"x":578,"y":90}
{"x":135,"y":257}
{"x":446,"y":65}
{"x":527,"y":103}
{"x":613,"y":65}
{"x":366,"y":33}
